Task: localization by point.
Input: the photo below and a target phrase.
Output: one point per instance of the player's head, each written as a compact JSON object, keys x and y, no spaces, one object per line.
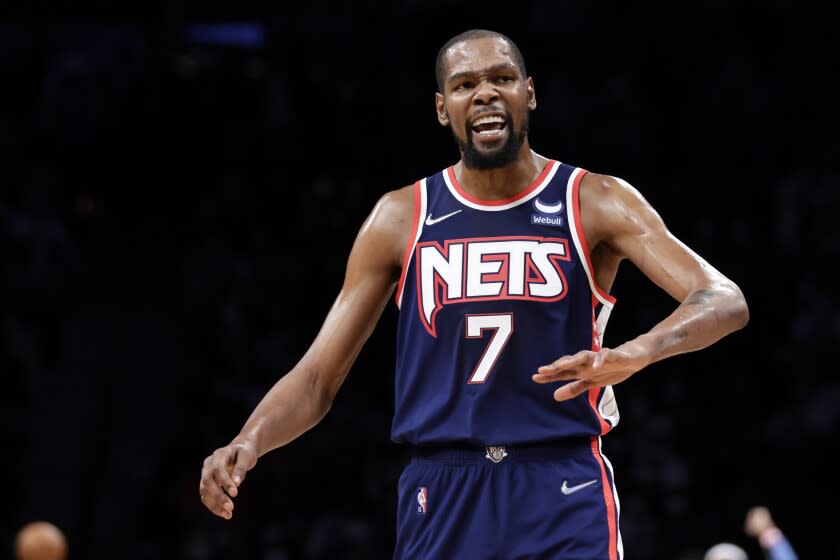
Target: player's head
{"x":725,"y":551}
{"x":40,"y":540}
{"x":476,"y":34}
{"x":484,"y":97}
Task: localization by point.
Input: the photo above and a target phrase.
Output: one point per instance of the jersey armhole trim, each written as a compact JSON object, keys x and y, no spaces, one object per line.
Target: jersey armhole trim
{"x":416,"y":230}
{"x":573,"y":203}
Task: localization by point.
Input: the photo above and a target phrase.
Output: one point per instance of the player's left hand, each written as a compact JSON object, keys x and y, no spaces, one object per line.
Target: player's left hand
{"x":590,"y":369}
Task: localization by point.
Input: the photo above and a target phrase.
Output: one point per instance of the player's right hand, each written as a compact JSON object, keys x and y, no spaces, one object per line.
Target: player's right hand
{"x":223,"y":473}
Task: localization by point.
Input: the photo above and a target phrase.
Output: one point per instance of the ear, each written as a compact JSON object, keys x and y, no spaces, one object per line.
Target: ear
{"x":532,"y":97}
{"x":443,"y":116}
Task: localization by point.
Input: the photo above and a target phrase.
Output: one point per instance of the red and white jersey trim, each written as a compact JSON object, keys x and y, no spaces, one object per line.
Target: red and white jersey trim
{"x":420,"y":203}
{"x":606,"y":406}
{"x":525,"y":195}
{"x":616,"y":544}
{"x":573,"y":212}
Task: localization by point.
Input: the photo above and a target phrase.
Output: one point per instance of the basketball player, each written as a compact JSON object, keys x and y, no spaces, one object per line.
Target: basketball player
{"x":501,"y":266}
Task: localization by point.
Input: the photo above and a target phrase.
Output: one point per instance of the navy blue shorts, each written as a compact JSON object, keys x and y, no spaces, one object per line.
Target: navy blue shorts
{"x":542,"y":502}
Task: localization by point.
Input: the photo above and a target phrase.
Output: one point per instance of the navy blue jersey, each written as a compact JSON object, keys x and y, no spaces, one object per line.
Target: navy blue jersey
{"x":490,"y":291}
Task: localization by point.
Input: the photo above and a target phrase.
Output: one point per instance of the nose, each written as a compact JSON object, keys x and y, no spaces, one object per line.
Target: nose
{"x":485,"y":92}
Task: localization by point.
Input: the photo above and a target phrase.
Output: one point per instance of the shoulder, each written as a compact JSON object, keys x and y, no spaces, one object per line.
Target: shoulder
{"x":610,"y":206}
{"x":398,"y":200}
{"x":394,"y":209}
{"x":387,"y":229}
{"x":600,"y":188}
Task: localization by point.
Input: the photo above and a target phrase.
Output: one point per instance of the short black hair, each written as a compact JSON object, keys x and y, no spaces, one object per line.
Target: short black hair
{"x":476,"y":34}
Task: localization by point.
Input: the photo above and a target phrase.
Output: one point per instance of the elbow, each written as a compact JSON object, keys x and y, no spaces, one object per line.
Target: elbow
{"x":321,"y":412}
{"x":322,"y":401}
{"x":728,"y":305}
{"x":322,"y":393}
{"x":742,"y":314}
{"x":325,"y":402}
{"x":739,"y":311}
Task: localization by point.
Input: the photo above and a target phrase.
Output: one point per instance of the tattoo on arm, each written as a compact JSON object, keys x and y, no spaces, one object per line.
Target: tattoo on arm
{"x":673,"y":339}
{"x":700,"y":297}
{"x":680,"y":334}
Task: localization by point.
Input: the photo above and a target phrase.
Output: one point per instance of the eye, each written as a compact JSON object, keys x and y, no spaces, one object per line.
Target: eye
{"x":464,"y":85}
{"x":505,"y":79}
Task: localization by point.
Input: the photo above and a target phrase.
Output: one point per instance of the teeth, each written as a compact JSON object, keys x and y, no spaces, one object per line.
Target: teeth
{"x":488,"y":120}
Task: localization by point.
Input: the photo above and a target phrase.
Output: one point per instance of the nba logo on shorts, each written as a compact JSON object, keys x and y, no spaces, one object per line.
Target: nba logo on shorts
{"x":422,"y":494}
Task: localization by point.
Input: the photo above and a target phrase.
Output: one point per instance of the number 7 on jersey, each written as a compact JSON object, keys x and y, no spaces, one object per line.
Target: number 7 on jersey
{"x":502,"y":326}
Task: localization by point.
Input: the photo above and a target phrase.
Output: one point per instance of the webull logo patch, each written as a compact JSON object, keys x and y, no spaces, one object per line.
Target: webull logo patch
{"x":548,"y":214}
{"x":547,"y":220}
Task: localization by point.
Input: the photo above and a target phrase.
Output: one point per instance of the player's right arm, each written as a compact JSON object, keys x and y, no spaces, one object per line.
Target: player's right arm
{"x":302,"y":397}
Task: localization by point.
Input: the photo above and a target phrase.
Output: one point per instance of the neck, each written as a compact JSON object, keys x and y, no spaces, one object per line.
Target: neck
{"x":503,"y":182}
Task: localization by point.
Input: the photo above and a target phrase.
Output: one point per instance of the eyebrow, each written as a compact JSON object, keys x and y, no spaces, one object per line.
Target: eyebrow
{"x":492,"y":69}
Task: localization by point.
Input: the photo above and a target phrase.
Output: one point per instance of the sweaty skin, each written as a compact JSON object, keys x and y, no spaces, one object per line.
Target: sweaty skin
{"x":620,"y":224}
{"x":482,"y":77}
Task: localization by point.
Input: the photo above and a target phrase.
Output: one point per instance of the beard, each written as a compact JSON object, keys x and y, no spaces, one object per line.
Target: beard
{"x":475,"y":159}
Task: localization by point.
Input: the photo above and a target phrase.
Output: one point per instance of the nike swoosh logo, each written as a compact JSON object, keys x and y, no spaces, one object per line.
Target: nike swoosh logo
{"x":566,"y":489}
{"x":432,"y":221}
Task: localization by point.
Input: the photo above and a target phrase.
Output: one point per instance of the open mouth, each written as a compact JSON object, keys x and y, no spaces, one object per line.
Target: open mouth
{"x":489,"y":126}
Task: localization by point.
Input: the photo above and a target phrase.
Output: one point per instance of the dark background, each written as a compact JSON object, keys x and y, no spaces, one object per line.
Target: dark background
{"x":178,"y":199}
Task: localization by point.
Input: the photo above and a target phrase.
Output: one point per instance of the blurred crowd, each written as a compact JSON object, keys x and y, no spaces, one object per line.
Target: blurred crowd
{"x":176,"y":208}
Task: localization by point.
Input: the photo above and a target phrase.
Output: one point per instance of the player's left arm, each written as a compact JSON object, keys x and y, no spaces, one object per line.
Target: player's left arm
{"x":620,"y":224}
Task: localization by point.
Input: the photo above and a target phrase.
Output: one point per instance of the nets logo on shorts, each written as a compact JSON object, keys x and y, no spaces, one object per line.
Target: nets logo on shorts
{"x":422,"y":494}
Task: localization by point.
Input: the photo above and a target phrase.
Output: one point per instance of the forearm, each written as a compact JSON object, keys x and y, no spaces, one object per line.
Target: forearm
{"x":705,"y":316}
{"x":301,"y":399}
{"x":292,"y":406}
{"x":776,"y":546}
